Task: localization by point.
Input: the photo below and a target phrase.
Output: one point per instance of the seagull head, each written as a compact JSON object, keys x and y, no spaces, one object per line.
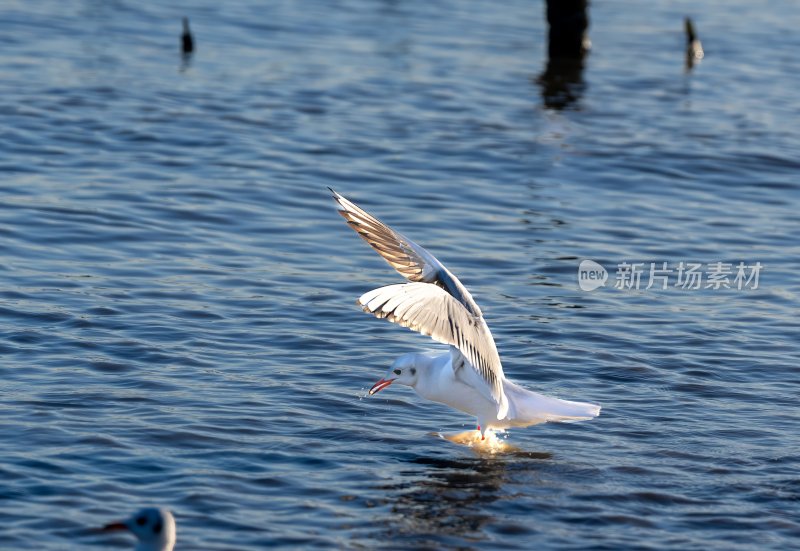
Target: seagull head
{"x":155,"y":529}
{"x":403,"y":371}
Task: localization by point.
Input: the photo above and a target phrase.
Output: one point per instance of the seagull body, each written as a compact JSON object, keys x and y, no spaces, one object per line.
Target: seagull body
{"x":469,"y":377}
{"x":461,"y":389}
{"x":153,"y":527}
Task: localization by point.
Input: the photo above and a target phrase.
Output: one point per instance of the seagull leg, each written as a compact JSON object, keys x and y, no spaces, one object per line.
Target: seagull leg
{"x":481,"y":430}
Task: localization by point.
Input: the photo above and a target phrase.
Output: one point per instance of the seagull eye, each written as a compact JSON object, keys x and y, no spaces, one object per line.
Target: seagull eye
{"x":397,"y":372}
{"x":140,"y":521}
{"x":157,"y":528}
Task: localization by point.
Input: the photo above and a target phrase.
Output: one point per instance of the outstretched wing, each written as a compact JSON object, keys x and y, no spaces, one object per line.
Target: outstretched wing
{"x":409,"y":259}
{"x":430,"y":310}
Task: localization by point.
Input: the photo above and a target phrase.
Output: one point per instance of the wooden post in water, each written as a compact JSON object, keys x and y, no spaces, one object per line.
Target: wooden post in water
{"x":568,"y":21}
{"x":567,"y":44}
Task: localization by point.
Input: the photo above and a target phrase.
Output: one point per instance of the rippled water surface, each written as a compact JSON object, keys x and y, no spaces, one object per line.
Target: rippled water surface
{"x":177,"y":292}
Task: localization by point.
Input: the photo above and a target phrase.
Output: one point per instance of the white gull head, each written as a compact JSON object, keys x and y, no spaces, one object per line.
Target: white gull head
{"x":152,"y":526}
{"x":404,"y":371}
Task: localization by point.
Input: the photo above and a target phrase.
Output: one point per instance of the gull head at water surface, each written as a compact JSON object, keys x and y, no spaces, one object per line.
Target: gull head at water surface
{"x":153,"y":527}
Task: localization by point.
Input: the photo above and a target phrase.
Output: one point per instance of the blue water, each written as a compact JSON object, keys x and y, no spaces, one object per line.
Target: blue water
{"x":177,"y":292}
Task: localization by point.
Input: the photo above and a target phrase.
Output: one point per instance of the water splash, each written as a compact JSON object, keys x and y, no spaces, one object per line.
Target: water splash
{"x":494,"y":443}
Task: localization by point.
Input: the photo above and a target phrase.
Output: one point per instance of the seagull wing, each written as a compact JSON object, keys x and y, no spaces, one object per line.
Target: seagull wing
{"x":409,"y":259}
{"x":430,"y":310}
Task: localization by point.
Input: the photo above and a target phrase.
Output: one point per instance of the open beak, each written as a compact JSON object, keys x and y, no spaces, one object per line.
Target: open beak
{"x":114,"y":526}
{"x":380,"y":385}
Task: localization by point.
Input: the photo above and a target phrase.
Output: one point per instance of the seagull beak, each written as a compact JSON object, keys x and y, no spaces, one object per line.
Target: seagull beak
{"x":380,"y":385}
{"x":114,"y":526}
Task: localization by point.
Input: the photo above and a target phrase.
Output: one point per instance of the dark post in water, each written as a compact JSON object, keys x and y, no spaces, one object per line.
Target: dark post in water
{"x":567,"y":44}
{"x":568,"y":21}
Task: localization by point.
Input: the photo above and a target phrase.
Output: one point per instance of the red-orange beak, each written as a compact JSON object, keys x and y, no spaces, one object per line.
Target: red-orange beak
{"x":114,"y":526}
{"x":380,"y":385}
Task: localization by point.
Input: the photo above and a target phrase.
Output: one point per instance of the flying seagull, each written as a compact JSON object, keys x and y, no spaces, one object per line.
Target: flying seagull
{"x":469,"y":377}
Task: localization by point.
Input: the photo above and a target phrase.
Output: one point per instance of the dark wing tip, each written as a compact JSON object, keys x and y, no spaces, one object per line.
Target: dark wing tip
{"x":342,"y":209}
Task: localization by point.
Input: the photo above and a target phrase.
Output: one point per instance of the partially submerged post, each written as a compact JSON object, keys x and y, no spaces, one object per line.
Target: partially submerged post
{"x":568,"y":21}
{"x":187,"y":41}
{"x":694,"y":49}
{"x":567,"y":45}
